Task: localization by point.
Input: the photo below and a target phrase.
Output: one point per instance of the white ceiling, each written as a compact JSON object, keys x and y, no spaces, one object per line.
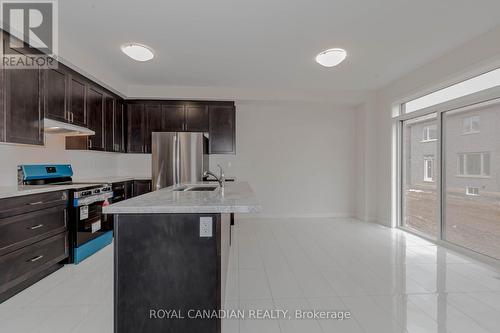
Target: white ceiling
{"x":267,"y":45}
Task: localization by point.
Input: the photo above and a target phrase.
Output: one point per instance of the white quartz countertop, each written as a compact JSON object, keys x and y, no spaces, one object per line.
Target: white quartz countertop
{"x":15,"y":191}
{"x":238,"y":197}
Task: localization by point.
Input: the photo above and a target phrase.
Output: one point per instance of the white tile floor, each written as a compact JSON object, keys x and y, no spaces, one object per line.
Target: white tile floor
{"x":389,"y":280}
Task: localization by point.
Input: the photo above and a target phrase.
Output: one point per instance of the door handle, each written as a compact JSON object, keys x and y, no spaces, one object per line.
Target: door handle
{"x":35,"y":203}
{"x":35,"y":226}
{"x":35,"y":258}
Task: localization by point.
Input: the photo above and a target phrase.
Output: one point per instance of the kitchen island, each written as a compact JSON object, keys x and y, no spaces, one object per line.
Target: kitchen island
{"x":171,"y":256}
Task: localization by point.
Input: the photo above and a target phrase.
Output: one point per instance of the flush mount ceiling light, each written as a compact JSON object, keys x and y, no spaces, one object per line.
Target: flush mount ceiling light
{"x":331,"y":57}
{"x":138,"y":52}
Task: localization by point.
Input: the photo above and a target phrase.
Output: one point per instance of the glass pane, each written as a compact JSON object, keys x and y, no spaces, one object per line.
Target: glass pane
{"x":472,"y":194}
{"x":420,"y":204}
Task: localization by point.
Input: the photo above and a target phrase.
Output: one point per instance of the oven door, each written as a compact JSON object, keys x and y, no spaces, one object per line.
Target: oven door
{"x":90,"y":222}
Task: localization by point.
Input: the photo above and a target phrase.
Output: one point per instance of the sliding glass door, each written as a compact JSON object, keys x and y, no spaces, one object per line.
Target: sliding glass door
{"x":419,"y":176}
{"x":450,"y":173}
{"x":471,"y":199}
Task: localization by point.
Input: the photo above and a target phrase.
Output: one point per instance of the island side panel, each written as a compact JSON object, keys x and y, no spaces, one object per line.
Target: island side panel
{"x":223,"y":249}
{"x":161,"y":262}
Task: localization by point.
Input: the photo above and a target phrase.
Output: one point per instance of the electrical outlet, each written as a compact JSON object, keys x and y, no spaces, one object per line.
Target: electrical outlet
{"x":205,"y":227}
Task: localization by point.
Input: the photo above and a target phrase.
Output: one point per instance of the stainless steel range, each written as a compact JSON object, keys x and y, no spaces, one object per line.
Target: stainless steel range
{"x":89,"y":230}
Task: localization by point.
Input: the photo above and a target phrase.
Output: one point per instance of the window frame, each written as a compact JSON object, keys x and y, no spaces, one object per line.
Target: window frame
{"x":469,"y":129}
{"x":429,"y":159}
{"x":470,"y":193}
{"x":462,"y":164}
{"x":426,"y":133}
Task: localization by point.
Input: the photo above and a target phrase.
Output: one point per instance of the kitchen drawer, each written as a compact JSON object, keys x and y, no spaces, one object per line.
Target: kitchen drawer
{"x":20,"y":265}
{"x":119,"y":192}
{"x":28,"y":203}
{"x":24,"y":229}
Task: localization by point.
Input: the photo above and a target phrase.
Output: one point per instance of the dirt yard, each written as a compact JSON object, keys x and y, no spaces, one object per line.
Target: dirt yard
{"x":472,"y":222}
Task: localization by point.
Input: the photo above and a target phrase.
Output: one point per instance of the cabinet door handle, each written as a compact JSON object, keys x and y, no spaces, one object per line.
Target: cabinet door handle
{"x":71,"y":116}
{"x":90,"y":143}
{"x":35,"y":258}
{"x":35,"y":226}
{"x":35,"y":203}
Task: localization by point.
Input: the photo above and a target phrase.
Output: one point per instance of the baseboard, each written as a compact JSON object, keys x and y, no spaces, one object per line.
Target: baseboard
{"x":293,"y":216}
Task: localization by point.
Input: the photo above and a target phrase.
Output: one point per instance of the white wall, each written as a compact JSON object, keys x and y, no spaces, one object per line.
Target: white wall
{"x":366,"y":157}
{"x":475,"y":57}
{"x":298,"y":157}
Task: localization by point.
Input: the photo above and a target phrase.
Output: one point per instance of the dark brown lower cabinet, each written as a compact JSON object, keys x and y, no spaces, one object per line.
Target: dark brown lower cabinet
{"x":33,"y":239}
{"x":122,"y":191}
{"x":141,"y":187}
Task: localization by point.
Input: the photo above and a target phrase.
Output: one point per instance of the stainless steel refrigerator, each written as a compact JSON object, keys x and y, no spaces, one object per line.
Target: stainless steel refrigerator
{"x":178,"y":157}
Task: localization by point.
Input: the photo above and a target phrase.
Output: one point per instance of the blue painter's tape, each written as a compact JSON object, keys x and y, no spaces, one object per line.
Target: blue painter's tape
{"x":86,"y":250}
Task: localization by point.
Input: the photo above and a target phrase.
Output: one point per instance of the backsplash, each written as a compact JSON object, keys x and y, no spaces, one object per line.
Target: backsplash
{"x":86,"y":164}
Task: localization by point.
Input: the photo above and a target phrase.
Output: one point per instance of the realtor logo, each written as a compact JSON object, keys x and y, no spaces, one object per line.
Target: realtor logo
{"x":32,"y":39}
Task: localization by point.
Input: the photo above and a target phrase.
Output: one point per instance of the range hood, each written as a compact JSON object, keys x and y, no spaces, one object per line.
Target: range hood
{"x":58,"y":127}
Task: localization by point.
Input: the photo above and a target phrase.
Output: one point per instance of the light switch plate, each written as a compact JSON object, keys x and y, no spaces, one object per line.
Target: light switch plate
{"x":205,"y":226}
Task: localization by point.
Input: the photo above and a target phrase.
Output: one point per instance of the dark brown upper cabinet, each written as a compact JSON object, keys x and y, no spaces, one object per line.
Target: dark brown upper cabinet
{"x":23,"y":107}
{"x":222,"y":129}
{"x":136,"y":128}
{"x":64,"y":96}
{"x":55,"y":94}
{"x":76,"y":103}
{"x":174,"y":117}
{"x":118,"y":141}
{"x":21,"y":103}
{"x":154,"y":116}
{"x":109,"y":122}
{"x":95,"y":118}
{"x":196,"y":118}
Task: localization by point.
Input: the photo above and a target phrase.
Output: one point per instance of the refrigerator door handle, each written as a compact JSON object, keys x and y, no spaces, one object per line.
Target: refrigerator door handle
{"x":174,"y":162}
{"x":177,"y":158}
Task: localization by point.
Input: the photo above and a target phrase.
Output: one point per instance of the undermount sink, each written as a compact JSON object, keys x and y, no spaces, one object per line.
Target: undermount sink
{"x":195,"y":188}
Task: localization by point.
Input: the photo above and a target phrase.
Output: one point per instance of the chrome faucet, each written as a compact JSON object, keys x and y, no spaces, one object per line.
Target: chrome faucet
{"x":220,"y":179}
